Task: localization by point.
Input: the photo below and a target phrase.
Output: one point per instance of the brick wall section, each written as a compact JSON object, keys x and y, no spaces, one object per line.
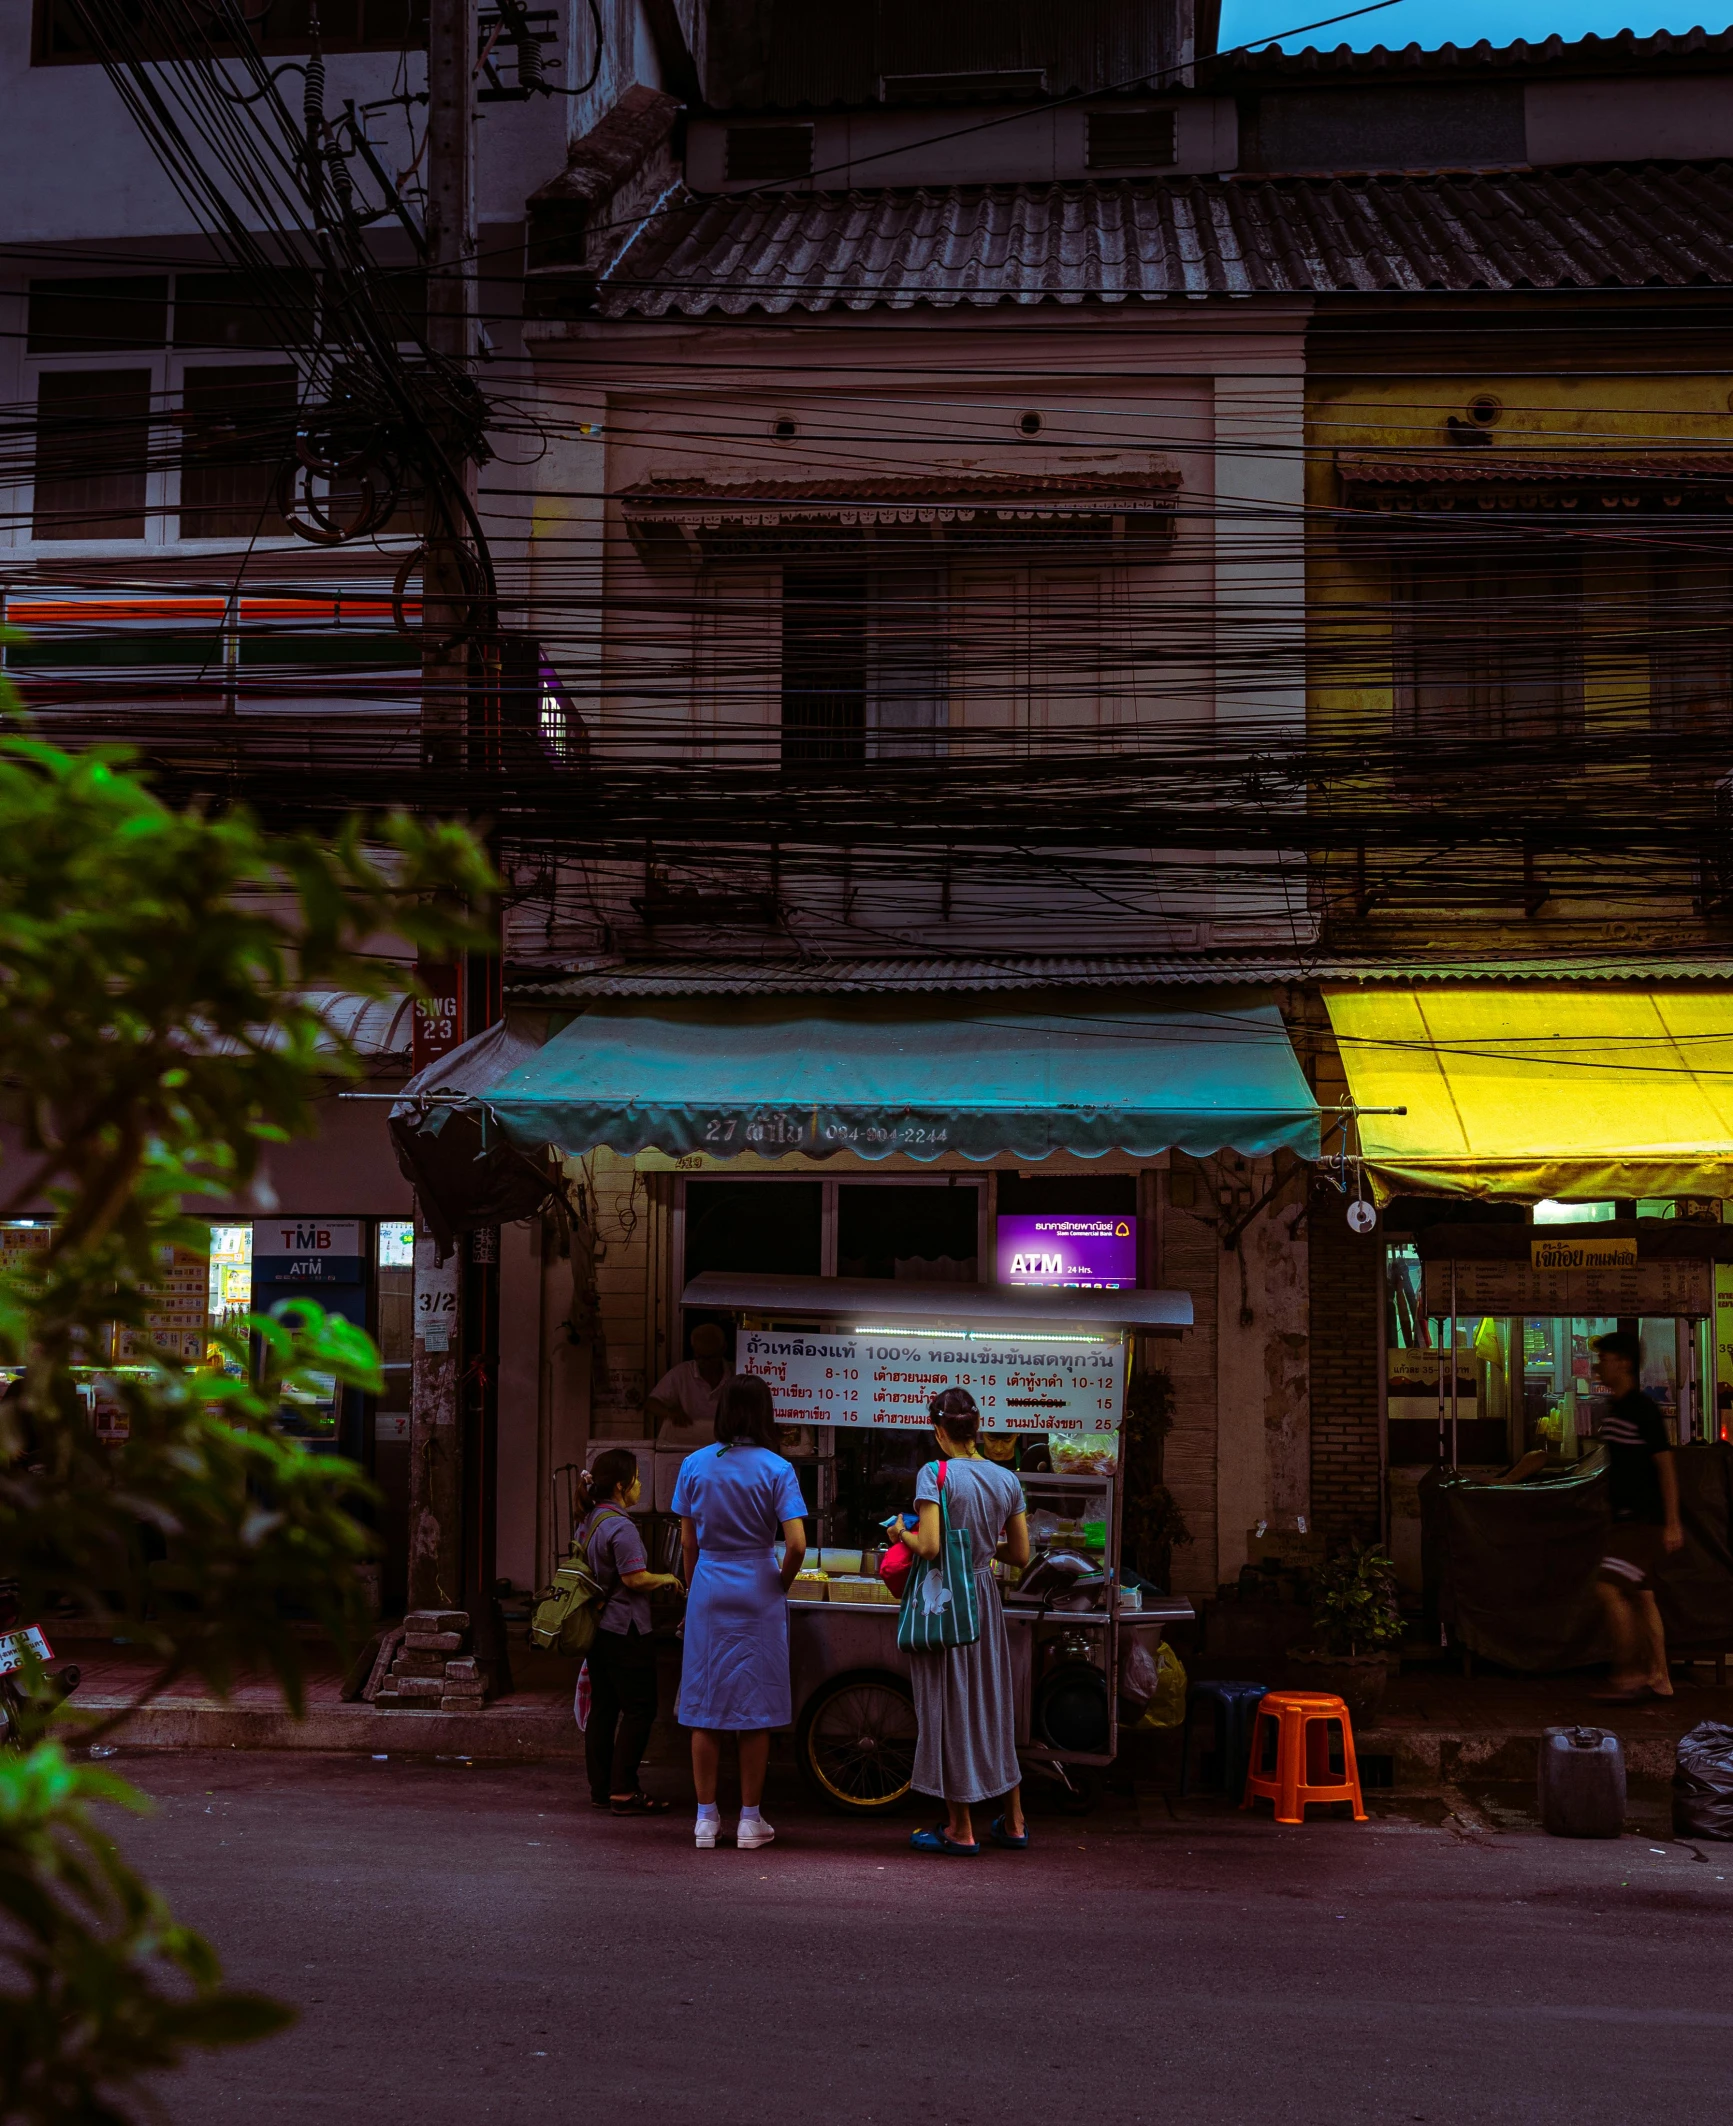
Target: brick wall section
{"x":1190,"y":1262}
{"x":1345,"y":1298}
{"x":1344,"y":1366}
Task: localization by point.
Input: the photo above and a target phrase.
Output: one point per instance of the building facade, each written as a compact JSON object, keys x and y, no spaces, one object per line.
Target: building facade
{"x":1005,"y":520}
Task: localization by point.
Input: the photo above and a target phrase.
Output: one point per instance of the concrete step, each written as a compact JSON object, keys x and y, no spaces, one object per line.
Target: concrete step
{"x":504,"y":1733}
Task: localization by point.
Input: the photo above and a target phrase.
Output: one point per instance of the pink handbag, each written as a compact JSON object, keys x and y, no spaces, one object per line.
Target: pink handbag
{"x":899,"y":1560}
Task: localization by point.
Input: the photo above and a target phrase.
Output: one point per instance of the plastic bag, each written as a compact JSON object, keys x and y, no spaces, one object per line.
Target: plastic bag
{"x":1166,"y":1707}
{"x":1138,"y":1676}
{"x":1703,"y":1783}
{"x":581,"y":1698}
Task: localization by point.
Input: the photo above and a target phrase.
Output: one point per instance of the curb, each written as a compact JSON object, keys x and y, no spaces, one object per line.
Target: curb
{"x":502,"y":1735}
{"x":1433,"y":1757}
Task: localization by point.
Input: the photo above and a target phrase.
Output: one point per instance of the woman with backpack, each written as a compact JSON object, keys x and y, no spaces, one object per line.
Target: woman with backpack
{"x":965,"y":1701}
{"x":732,"y":1499}
{"x":622,"y":1655}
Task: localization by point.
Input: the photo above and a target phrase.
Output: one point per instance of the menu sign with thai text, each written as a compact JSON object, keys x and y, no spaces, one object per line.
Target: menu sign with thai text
{"x":886,"y":1379}
{"x":1681,"y":1285}
{"x":1558,"y":1251}
{"x":179,"y":1316}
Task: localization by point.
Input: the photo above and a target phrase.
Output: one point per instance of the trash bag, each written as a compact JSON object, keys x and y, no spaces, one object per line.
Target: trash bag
{"x":1703,"y":1783}
{"x":1166,"y":1707}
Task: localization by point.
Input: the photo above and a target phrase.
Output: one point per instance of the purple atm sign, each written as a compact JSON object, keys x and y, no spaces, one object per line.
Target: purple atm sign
{"x":1100,"y":1252}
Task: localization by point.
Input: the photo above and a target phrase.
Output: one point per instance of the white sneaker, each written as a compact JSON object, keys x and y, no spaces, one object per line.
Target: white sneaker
{"x":750,"y":1836}
{"x":704,"y":1834}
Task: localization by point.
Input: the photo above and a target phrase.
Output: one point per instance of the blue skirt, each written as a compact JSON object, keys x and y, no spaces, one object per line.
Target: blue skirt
{"x":734,"y":1663}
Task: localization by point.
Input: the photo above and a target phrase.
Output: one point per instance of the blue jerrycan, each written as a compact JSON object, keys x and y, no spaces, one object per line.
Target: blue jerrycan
{"x":1581,"y":1783}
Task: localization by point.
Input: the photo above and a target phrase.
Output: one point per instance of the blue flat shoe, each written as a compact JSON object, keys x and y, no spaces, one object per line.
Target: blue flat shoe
{"x":941,"y":1841}
{"x":1000,"y":1836}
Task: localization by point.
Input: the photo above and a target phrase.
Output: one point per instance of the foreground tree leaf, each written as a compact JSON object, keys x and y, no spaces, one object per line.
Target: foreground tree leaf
{"x":153,"y":1041}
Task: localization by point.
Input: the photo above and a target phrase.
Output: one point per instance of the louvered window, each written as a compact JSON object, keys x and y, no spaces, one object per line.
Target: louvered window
{"x":1132,"y":140}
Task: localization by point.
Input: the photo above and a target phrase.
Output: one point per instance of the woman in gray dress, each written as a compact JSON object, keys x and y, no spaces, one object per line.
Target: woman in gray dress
{"x":967,"y":1750}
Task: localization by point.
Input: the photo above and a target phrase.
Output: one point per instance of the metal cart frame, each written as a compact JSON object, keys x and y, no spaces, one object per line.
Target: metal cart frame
{"x":854,"y":1724}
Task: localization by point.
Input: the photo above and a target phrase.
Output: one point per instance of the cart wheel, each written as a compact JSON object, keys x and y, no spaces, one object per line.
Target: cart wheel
{"x":856,"y":1743}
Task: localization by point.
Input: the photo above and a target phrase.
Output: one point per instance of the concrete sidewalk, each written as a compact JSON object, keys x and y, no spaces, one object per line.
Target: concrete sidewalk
{"x":533,"y":1722}
{"x":1436,"y":1729}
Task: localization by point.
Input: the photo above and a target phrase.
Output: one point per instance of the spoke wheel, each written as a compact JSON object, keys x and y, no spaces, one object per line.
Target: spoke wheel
{"x":857,"y":1743}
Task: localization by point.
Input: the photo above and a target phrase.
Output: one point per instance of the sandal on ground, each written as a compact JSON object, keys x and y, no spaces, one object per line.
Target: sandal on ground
{"x":640,"y":1804}
{"x":941,"y":1841}
{"x":1000,"y":1836}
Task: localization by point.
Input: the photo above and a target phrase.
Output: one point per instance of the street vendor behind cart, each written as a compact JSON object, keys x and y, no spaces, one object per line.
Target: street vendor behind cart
{"x":683,"y":1402}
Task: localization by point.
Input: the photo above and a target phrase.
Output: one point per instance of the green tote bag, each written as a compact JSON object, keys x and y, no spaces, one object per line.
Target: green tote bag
{"x":940,"y":1604}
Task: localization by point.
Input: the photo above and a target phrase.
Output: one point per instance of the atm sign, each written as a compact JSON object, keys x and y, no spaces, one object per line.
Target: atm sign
{"x":291,"y":1251}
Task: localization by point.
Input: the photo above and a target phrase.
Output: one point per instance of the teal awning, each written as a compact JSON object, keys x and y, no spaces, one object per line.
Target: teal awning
{"x":925,"y":1078}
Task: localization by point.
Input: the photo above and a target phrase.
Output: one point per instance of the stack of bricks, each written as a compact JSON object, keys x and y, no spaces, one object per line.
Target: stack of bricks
{"x":432,"y":1670}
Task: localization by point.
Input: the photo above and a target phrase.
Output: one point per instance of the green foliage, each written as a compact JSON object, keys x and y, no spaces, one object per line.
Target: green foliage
{"x":1354,"y":1603}
{"x":154,"y":1038}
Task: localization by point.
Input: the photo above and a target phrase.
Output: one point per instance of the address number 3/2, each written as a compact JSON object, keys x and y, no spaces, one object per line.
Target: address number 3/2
{"x":436,"y":1302}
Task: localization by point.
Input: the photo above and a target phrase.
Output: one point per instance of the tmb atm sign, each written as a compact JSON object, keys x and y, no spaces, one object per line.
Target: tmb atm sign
{"x":307,"y":1251}
{"x":438,"y":1027}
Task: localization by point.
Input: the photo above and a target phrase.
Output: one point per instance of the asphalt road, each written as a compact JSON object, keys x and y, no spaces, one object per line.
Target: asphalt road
{"x":475,"y":1944}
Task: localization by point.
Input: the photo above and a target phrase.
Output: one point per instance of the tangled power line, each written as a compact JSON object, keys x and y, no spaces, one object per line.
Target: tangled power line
{"x":1525,"y":721}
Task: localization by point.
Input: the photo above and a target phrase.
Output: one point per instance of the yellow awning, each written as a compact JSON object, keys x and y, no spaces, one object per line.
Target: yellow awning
{"x":1541,"y":1090}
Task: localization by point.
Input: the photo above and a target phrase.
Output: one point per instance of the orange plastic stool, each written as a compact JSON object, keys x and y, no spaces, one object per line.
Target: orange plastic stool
{"x":1291,"y":1754}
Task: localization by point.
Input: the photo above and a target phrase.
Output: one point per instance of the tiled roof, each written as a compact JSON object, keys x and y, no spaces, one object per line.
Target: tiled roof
{"x":1150,"y":238}
{"x":1623,"y":53}
{"x":701,"y":976}
{"x":898,"y":487}
{"x":1456,"y":467}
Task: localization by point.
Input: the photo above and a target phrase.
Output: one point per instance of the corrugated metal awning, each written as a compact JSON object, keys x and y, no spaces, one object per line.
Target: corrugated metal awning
{"x":926,"y":1081}
{"x":1534,"y":1093}
{"x":717,"y":975}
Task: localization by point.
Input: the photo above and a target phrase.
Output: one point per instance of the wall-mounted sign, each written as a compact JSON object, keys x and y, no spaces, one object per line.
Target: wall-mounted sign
{"x":1562,"y":1251}
{"x":438,"y":1021}
{"x":885,"y":1378}
{"x":437,"y":1285}
{"x":307,"y":1251}
{"x":179,"y":1316}
{"x":1097,"y":1253}
{"x":1679,"y":1285}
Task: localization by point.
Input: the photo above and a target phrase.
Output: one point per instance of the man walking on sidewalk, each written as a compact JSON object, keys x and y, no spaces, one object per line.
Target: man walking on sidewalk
{"x":1643,"y":1491}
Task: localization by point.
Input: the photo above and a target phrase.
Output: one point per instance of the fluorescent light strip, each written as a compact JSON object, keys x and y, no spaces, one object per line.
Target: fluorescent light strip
{"x":1030,"y":1336}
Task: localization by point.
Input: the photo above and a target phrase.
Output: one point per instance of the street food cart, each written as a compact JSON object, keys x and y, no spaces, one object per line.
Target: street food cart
{"x":846,"y":1359}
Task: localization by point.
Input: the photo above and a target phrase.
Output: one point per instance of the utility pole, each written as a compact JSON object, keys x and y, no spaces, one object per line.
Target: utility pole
{"x":449,"y":618}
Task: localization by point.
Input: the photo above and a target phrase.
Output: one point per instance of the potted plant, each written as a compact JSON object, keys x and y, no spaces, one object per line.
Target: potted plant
{"x":1355,"y":1619}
